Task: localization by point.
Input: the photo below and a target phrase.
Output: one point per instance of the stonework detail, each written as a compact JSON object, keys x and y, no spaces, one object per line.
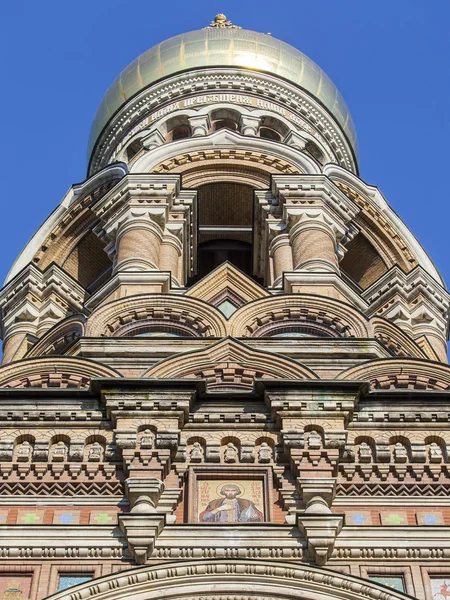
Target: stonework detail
{"x":224,"y":363}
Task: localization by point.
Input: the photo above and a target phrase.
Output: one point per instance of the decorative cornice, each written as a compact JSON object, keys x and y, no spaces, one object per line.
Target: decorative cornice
{"x":131,"y":117}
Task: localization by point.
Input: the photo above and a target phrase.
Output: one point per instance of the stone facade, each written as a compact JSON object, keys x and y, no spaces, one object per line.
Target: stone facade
{"x":224,"y":365}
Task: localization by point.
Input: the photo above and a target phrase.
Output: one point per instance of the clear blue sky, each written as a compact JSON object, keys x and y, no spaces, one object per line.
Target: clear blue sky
{"x":389,"y":58}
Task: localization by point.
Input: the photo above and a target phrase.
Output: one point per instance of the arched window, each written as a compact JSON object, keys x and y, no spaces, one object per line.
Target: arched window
{"x":314,"y":150}
{"x":224,"y":118}
{"x":155,"y":328}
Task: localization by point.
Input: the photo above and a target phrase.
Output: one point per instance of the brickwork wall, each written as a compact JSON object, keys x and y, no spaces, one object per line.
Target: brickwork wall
{"x":88,"y":260}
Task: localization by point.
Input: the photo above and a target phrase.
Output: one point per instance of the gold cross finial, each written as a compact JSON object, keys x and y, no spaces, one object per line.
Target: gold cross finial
{"x":220,"y":20}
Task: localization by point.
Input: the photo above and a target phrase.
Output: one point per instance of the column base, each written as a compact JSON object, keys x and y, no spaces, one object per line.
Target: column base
{"x":330,"y":285}
{"x":131,"y":283}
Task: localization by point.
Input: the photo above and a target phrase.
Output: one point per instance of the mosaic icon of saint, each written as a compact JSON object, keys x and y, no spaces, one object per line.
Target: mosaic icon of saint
{"x":231,"y":509}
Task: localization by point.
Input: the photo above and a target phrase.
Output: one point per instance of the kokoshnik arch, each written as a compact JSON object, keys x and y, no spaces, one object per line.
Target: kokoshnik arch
{"x":224,"y":355}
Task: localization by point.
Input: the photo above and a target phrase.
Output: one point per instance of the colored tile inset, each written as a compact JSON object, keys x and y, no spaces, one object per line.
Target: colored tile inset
{"x":102,"y":517}
{"x":440,"y":587}
{"x":68,"y":581}
{"x":30,"y":516}
{"x":396,"y":583}
{"x":429,"y":517}
{"x":4,"y":512}
{"x":394,"y":517}
{"x":66,"y":517}
{"x":358,"y":517}
{"x":15,"y":585}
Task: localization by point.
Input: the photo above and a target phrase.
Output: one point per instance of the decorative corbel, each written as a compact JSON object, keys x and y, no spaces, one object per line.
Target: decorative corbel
{"x":143,"y":524}
{"x":141,"y":532}
{"x":318,"y":524}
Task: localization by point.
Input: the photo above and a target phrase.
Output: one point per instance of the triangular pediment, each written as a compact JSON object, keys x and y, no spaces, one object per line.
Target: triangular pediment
{"x":227,"y":288}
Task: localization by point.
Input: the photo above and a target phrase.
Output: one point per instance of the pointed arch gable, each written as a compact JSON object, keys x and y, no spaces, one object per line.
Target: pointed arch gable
{"x":229,"y":364}
{"x":227,"y":276}
{"x":232,"y":579}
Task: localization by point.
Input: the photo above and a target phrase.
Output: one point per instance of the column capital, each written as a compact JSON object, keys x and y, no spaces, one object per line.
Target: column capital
{"x":200,"y":125}
{"x":153,"y":139}
{"x":297,"y":190}
{"x":250,"y":124}
{"x":151,"y":193}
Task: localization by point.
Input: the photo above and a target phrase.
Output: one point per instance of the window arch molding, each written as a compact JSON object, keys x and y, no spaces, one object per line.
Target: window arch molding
{"x":243,"y":580}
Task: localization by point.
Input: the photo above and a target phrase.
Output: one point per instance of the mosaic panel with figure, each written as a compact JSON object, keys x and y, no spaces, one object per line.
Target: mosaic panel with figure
{"x":230,"y":501}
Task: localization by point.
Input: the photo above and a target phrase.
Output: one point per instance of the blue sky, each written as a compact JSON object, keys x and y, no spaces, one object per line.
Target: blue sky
{"x":389,"y":58}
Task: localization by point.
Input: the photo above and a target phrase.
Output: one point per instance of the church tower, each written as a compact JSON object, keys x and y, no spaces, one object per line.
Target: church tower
{"x":224,"y":364}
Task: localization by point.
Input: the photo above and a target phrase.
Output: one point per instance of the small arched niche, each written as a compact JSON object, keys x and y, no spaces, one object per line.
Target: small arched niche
{"x":273,"y":129}
{"x":133,"y":149}
{"x":177,"y":128}
{"x":224,"y":118}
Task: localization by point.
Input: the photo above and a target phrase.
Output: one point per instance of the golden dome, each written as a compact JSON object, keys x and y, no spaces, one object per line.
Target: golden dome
{"x":223,"y":45}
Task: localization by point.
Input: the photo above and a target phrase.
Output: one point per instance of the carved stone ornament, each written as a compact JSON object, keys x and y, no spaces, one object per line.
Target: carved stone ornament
{"x":143,"y":494}
{"x":141,"y":532}
{"x":230,"y":455}
{"x":197,"y":452}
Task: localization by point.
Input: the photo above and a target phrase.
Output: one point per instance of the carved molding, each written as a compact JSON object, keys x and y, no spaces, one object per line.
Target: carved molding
{"x":244,"y":578}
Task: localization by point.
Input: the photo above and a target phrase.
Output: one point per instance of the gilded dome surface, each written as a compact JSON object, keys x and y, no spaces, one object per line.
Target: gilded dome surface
{"x":223,"y":47}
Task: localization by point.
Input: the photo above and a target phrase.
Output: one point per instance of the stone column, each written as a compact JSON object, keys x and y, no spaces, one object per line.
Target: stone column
{"x":138,"y":244}
{"x":200,"y":125}
{"x":318,"y":217}
{"x":171,"y":252}
{"x":438,"y":345}
{"x":133,"y":223}
{"x":32,"y":303}
{"x":153,"y":140}
{"x":281,"y":253}
{"x":314,"y":245}
{"x":14,"y":347}
{"x":250,"y":125}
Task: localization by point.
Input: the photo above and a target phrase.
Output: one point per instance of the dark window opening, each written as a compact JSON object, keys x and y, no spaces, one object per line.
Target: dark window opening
{"x":180,"y":132}
{"x":225,"y":228}
{"x":225,"y":124}
{"x":212,"y":254}
{"x":133,"y":149}
{"x":269,"y":134}
{"x":314,"y":151}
